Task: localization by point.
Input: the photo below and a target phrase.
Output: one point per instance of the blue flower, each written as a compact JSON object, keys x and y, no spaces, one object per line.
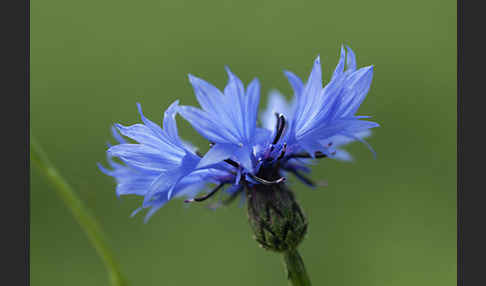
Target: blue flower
{"x":315,"y":124}
{"x":160,"y":166}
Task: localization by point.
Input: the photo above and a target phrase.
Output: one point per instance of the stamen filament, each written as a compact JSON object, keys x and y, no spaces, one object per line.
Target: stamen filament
{"x":282,"y":153}
{"x":318,"y":154}
{"x":232,"y":163}
{"x":280,"y":127}
{"x":203,"y":198}
{"x":302,"y":177}
{"x":265,"y":182}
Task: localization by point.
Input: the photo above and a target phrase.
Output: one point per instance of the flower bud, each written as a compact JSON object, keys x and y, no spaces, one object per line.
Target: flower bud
{"x":275,"y":217}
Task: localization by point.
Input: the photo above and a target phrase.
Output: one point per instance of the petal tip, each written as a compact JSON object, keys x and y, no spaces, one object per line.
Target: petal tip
{"x":139,"y":107}
{"x":256,"y":81}
{"x":228,"y":71}
{"x":348,"y":48}
{"x":173,"y":106}
{"x":102,"y":169}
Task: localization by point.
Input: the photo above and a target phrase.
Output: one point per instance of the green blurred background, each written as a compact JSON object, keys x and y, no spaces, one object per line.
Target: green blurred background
{"x":390,"y":221}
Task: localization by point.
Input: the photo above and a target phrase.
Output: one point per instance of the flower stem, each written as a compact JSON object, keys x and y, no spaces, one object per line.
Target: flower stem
{"x":294,"y":266}
{"x":81,"y":213}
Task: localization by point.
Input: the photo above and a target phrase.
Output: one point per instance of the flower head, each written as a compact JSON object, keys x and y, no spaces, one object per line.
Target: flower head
{"x":247,"y":157}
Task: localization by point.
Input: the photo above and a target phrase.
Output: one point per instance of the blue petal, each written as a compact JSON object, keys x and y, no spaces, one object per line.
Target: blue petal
{"x":170,"y":126}
{"x":340,"y":140}
{"x":164,"y":183}
{"x":142,"y":156}
{"x":343,"y":155}
{"x":209,"y":97}
{"x":154,"y":127}
{"x":167,"y":181}
{"x":359,"y":84}
{"x":142,"y":134}
{"x":310,"y":94}
{"x":339,"y":70}
{"x":153,"y":210}
{"x":191,"y":188}
{"x":250,"y":107}
{"x":238,"y":177}
{"x":335,"y":127}
{"x":117,"y":135}
{"x":206,"y":125}
{"x":295,"y":82}
{"x":104,"y":170}
{"x":233,"y":94}
{"x":362,"y":141}
{"x":136,"y":211}
{"x":220,"y":152}
{"x":350,"y":60}
{"x":136,"y":185}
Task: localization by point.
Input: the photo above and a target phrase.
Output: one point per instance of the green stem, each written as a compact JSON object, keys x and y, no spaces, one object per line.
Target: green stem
{"x":81,"y":213}
{"x":295,"y":268}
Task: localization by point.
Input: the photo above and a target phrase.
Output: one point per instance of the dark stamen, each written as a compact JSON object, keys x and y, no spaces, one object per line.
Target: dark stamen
{"x":280,"y":127}
{"x":269,"y":152}
{"x":232,"y":163}
{"x":203,"y":198}
{"x":272,"y":148}
{"x":318,"y":154}
{"x":265,"y":182}
{"x":282,"y":153}
{"x":302,"y":177}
